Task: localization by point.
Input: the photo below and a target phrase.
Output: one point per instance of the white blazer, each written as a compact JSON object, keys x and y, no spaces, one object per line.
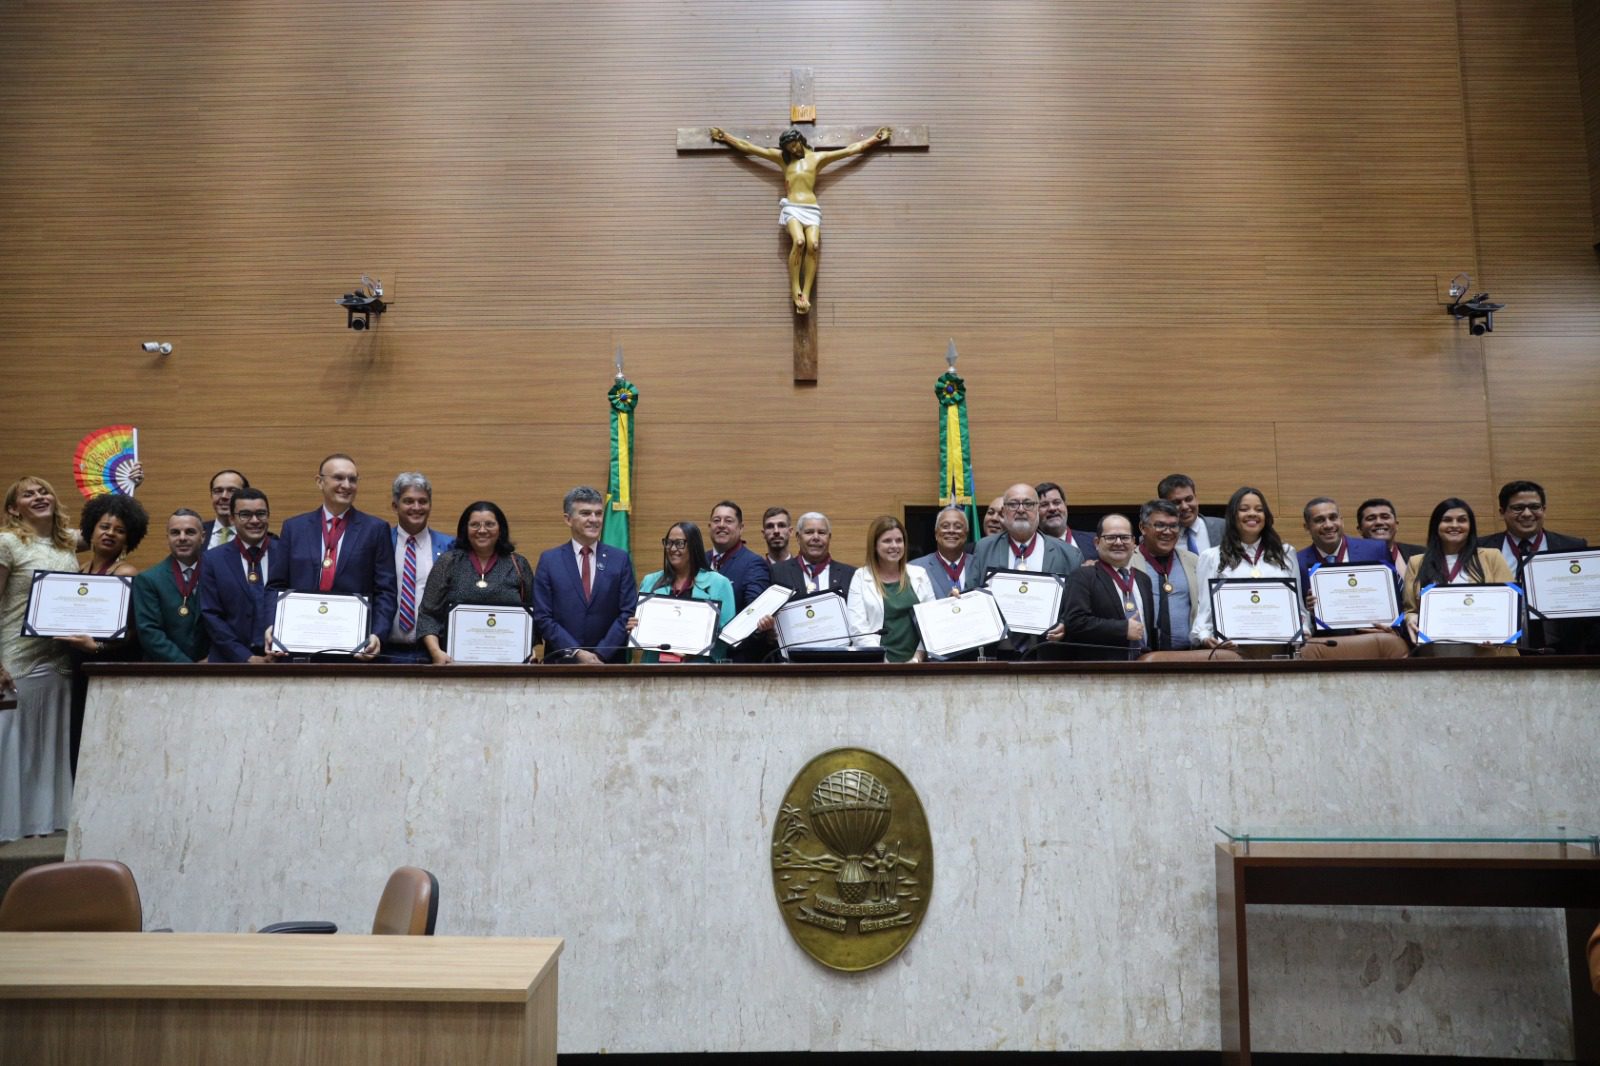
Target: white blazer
{"x":864,"y":605}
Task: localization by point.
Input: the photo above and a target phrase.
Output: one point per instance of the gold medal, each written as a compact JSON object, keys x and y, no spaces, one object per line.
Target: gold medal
{"x":254,"y":579}
{"x":1255,"y":571}
{"x":1166,"y":586}
{"x":327,"y":562}
{"x":1127,"y":605}
{"x":184,"y":609}
{"x":482,"y":584}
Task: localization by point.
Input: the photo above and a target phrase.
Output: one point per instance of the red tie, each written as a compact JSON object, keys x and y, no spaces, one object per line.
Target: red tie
{"x":588,"y":574}
{"x":330,"y":551}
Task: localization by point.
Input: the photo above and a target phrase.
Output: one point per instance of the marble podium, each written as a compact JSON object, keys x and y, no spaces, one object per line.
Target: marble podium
{"x":630,"y":810}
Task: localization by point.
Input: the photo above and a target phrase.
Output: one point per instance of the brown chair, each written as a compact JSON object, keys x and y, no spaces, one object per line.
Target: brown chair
{"x":86,"y":896}
{"x":1219,"y":655}
{"x":1357,"y":646}
{"x":409,"y":906}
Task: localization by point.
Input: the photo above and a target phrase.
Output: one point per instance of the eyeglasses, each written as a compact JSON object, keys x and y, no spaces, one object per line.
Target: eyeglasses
{"x":1525,"y":508}
{"x":670,"y":544}
{"x":1022,"y":505}
{"x":249,"y":516}
{"x":1115,"y":538}
{"x":1164,"y":527}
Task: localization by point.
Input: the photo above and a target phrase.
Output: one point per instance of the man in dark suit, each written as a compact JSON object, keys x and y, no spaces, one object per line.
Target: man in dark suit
{"x":1377,"y":519}
{"x":225,"y":484}
{"x":1199,"y":531}
{"x":814,"y":569}
{"x":1053,"y":519}
{"x":233,"y":582}
{"x":946,"y":565}
{"x":166,"y":601}
{"x":415,"y":549}
{"x":584,"y":592}
{"x":1106,"y":604}
{"x":339,"y":549}
{"x":1522,"y":509}
{"x":744,"y":569}
{"x":1021,"y":546}
{"x":1330,"y":547}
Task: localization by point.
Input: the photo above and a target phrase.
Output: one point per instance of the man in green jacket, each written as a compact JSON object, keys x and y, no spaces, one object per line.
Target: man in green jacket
{"x":166,"y":597}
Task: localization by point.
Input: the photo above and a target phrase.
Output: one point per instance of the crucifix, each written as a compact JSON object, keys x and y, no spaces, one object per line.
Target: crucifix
{"x":802,"y":150}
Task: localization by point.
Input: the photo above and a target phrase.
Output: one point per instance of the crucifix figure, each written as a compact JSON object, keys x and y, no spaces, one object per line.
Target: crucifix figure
{"x":802,"y":150}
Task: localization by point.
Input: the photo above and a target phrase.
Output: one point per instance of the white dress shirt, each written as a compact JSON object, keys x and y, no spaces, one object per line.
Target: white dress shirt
{"x":1210,"y":567}
{"x":219,"y":532}
{"x":1202,"y":536}
{"x":1034,"y":563}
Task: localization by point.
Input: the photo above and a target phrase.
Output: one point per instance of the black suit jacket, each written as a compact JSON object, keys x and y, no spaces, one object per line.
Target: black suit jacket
{"x":1408,"y":550}
{"x":1568,"y":636}
{"x":1093,"y":613}
{"x":789,"y":575}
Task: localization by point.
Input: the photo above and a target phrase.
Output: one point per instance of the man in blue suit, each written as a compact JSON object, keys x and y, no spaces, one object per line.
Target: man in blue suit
{"x":747,"y":571}
{"x":231,"y":600}
{"x":337,"y":548}
{"x":415,"y":548}
{"x":1330,"y":547}
{"x":584,"y":592}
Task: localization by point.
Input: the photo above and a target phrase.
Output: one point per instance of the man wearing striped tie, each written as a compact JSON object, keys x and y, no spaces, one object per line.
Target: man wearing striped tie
{"x":416,"y":547}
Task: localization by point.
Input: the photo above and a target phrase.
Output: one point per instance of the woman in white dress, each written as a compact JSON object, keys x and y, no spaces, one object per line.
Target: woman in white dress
{"x":1250,"y":548}
{"x":35,"y":778}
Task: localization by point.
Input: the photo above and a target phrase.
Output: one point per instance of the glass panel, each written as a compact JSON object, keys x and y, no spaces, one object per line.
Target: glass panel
{"x":1586,"y":836}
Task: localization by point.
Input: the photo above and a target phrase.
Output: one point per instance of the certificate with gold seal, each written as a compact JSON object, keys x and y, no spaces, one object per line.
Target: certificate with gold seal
{"x":1564,"y":584}
{"x":1256,"y":610}
{"x":677,"y":626}
{"x":959,"y":623}
{"x":815,"y":621}
{"x":65,"y":604}
{"x":1030,"y":602}
{"x":1360,"y":596}
{"x":480,"y":634}
{"x":1469,"y":614}
{"x":320,"y":623}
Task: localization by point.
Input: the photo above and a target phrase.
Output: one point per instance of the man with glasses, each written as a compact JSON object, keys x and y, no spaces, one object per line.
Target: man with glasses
{"x":1053,"y":519}
{"x":1109,"y":606}
{"x":339,"y":549}
{"x":1522,"y":506}
{"x":233,"y":581}
{"x":1019,"y":546}
{"x":946,"y":565}
{"x":1171,"y":572}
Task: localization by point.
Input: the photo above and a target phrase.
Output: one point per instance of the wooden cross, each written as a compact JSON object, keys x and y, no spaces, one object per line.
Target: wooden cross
{"x":803,"y":116}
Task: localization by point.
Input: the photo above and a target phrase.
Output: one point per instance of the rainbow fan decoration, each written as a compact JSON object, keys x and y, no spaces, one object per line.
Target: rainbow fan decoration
{"x":103,"y":459}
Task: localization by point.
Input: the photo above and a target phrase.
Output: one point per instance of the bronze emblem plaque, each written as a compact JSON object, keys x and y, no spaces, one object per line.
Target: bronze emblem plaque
{"x":852,"y":860}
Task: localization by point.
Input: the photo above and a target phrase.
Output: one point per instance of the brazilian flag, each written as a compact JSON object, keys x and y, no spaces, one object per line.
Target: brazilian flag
{"x":624,"y":397}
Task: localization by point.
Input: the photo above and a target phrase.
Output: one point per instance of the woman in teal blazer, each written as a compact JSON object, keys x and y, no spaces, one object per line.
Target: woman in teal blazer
{"x":686,"y":574}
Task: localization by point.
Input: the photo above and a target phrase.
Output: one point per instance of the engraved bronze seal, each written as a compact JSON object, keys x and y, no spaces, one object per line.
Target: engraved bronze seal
{"x":852,"y":859}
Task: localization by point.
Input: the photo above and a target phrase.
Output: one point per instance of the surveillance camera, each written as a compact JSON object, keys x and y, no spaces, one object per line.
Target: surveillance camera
{"x":357,"y":324}
{"x":366,"y":301}
{"x":162,"y":347}
{"x":1478,"y":311}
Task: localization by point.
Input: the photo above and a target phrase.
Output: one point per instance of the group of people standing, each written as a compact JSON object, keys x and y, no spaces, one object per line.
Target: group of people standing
{"x":1132,"y":587}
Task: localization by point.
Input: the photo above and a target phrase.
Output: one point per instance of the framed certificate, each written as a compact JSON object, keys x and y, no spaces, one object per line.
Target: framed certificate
{"x":315,"y":623}
{"x":815,"y":621}
{"x":1029,"y":602}
{"x":1469,"y":614}
{"x":1361,"y":596}
{"x":1262,"y":610}
{"x":744,"y":623}
{"x":1564,"y":584}
{"x":961,"y":623}
{"x":64,"y":604}
{"x":480,"y":634}
{"x":682,"y":627}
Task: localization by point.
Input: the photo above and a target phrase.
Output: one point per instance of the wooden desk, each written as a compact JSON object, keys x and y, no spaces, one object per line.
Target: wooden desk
{"x":1406,"y":876}
{"x":115,"y":998}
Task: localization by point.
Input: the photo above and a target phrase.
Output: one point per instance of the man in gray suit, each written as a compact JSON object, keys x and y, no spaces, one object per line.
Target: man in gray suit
{"x":1020,"y":546}
{"x":1196,"y":533}
{"x":1171,"y":569}
{"x":946,"y":566}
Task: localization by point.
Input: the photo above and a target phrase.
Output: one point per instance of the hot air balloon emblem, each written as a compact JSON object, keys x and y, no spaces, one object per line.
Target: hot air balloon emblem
{"x":855,"y":905}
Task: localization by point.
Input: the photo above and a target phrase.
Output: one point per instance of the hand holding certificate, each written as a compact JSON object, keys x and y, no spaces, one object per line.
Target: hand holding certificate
{"x":315,"y":623}
{"x":682,"y":627}
{"x":1256,"y":610}
{"x":744,"y":623}
{"x":62,"y":604}
{"x":815,"y":621}
{"x":1469,"y":614}
{"x":1354,"y":597}
{"x":959,"y":624}
{"x":1029,"y":602}
{"x":479,"y":634}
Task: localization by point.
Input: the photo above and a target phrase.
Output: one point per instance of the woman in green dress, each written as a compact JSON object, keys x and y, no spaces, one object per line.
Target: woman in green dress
{"x":883,"y":592}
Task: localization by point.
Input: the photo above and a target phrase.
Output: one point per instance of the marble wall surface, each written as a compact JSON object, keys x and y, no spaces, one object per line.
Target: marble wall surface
{"x":1072,"y":817}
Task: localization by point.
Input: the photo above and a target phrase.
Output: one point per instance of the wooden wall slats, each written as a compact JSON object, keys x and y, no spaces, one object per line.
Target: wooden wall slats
{"x":1250,"y":204}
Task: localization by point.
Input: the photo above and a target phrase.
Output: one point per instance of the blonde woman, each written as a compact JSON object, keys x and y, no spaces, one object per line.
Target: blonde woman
{"x":35,"y":775}
{"x":883,"y":592}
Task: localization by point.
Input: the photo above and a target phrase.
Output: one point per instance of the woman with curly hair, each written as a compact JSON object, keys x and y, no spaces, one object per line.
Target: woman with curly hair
{"x":1250,"y":548}
{"x":35,"y":777}
{"x":112,"y":527}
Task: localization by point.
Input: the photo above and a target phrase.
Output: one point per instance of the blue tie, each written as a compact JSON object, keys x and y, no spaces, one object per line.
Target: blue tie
{"x":1189,"y":536}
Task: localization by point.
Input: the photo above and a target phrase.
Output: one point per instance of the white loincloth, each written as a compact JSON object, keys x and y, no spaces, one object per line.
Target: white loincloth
{"x":805,"y":214}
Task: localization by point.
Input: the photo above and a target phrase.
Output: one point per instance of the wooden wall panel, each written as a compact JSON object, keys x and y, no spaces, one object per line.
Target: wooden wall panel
{"x":1586,"y":30}
{"x":1207,"y":239}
